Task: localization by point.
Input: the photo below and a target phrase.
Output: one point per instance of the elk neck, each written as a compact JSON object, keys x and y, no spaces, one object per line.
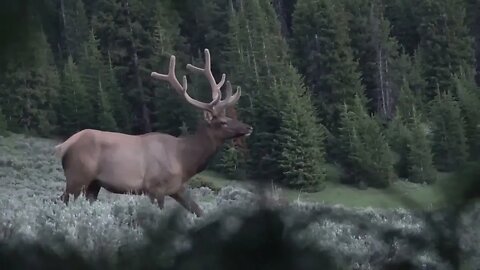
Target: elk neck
{"x":198,"y":149}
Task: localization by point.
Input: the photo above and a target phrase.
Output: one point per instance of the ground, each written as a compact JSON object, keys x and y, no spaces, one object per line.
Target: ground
{"x":350,"y":222}
{"x":401,"y":194}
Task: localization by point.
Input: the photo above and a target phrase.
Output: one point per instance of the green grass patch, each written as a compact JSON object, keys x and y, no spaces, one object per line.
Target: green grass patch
{"x":401,"y":194}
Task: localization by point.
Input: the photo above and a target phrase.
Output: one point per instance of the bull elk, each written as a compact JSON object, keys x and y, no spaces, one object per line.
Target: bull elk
{"x":154,"y":164}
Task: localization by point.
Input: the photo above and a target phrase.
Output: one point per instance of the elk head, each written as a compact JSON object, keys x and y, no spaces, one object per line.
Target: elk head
{"x":218,"y":124}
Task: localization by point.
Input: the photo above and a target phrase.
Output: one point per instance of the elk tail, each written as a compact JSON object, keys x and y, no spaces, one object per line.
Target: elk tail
{"x":60,"y":149}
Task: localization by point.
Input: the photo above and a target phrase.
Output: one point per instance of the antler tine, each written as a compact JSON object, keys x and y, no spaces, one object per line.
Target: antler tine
{"x":234,"y":99}
{"x":182,"y":90}
{"x":202,"y":105}
{"x":229,"y":90}
{"x":207,"y":71}
{"x":229,"y":99}
{"x":171,"y":77}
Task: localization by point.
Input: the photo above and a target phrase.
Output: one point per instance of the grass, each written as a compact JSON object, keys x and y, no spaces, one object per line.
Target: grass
{"x":401,"y":194}
{"x":398,"y":195}
{"x":31,"y":179}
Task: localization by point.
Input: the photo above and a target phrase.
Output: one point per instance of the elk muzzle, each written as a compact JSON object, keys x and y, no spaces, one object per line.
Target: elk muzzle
{"x":243,"y":130}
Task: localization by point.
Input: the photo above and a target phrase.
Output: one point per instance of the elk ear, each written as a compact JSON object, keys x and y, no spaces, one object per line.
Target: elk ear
{"x":207,"y":116}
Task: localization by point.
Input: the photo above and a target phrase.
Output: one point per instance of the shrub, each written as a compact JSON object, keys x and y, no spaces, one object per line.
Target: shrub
{"x":198,"y":181}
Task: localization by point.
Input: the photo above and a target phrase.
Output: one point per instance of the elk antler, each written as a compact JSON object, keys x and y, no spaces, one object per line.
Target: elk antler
{"x":207,"y":71}
{"x":229,"y":100}
{"x":182,"y":89}
{"x":217,"y":106}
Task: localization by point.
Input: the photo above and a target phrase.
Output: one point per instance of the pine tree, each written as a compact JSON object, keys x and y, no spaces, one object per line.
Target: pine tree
{"x":75,"y":106}
{"x":50,"y":85}
{"x":473,"y":20}
{"x":168,"y":109}
{"x":250,"y":65}
{"x":231,"y":162}
{"x":301,"y":138}
{"x":405,"y":17}
{"x":120,"y":107}
{"x":29,"y":89}
{"x":322,"y":52}
{"x":445,"y":45}
{"x":408,"y":77}
{"x":398,"y":136}
{"x":274,"y":100}
{"x":469,"y":99}
{"x":410,"y":141}
{"x":3,"y":124}
{"x":449,"y":143}
{"x":420,"y":158}
{"x":369,"y":159}
{"x":105,"y":119}
{"x":377,"y":52}
{"x":128,"y":35}
{"x":406,"y":102}
{"x":94,"y":75}
{"x":75,"y":27}
{"x":398,"y":131}
{"x":203,"y":25}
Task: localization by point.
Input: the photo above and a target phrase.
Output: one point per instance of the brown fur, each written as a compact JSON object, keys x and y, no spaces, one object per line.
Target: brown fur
{"x":155,"y":164}
{"x":240,"y":142}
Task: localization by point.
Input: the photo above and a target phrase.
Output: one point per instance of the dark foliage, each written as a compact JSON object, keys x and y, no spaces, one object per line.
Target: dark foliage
{"x":263,"y":241}
{"x":67,"y":61}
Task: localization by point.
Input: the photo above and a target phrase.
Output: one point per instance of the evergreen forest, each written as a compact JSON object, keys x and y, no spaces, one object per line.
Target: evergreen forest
{"x":379,"y":90}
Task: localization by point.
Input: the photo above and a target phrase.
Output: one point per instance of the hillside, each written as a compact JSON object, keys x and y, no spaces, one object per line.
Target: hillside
{"x":31,"y":180}
{"x":352,"y":83}
{"x":361,"y":118}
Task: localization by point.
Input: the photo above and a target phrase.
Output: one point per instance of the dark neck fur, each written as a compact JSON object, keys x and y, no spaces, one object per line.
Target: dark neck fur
{"x":198,"y":149}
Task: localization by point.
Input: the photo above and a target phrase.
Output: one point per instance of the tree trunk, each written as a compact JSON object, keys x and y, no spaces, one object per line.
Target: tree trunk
{"x":147,"y":126}
{"x":62,"y":33}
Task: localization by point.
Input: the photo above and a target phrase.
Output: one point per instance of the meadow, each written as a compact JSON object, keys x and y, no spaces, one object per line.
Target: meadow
{"x":363,"y":229}
{"x":400,"y":195}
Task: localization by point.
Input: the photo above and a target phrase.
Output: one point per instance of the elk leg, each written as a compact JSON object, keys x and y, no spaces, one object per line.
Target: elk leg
{"x":76,"y":183}
{"x":92,"y":191}
{"x":160,"y":200}
{"x":64,"y":197}
{"x":70,"y":190}
{"x":189,"y":204}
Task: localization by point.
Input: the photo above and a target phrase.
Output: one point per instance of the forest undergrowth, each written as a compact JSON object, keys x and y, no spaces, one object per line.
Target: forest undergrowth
{"x":37,"y":230}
